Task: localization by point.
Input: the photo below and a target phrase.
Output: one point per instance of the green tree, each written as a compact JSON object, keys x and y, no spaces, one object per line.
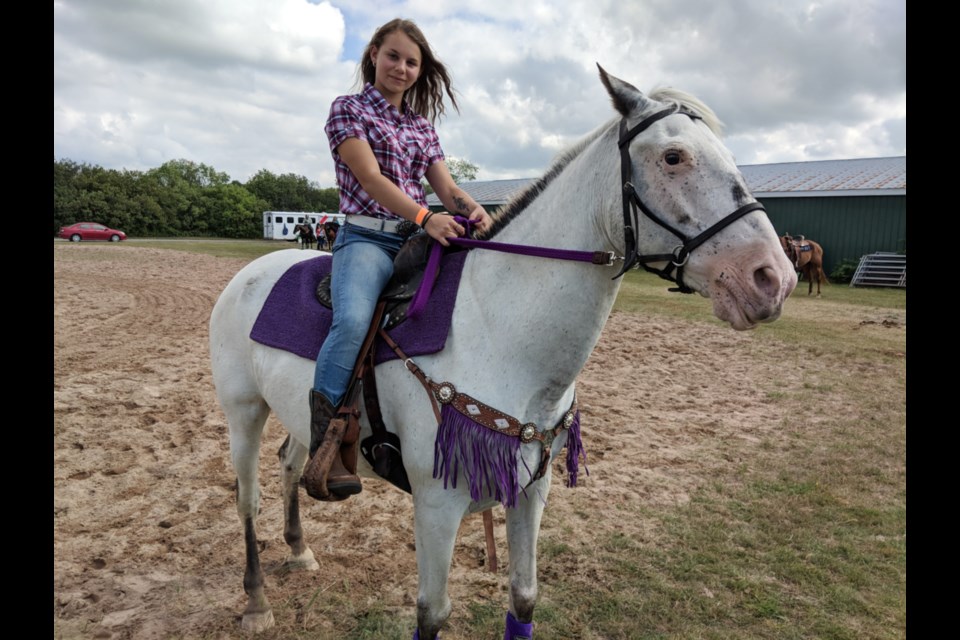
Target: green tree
{"x":66,"y":191}
{"x":327,"y":200}
{"x":462,"y":170}
{"x":234,"y":212}
{"x":189,"y":172}
{"x":179,"y":198}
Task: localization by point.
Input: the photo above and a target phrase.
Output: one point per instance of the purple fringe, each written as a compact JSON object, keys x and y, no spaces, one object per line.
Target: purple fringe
{"x":481,"y":452}
{"x":575,"y":451}
{"x":489,"y":458}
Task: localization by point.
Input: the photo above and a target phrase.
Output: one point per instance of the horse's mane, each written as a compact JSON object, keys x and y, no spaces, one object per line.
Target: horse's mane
{"x":528,"y":194}
{"x":664,"y":95}
{"x":669,"y":95}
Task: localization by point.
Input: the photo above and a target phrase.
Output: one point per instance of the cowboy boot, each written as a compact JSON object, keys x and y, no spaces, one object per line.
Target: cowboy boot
{"x":325,"y":477}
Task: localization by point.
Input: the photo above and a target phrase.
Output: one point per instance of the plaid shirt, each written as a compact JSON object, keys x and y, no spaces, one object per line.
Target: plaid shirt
{"x":404,"y":144}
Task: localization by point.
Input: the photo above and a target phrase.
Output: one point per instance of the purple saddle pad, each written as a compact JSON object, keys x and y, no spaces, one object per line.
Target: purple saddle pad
{"x":293,"y":320}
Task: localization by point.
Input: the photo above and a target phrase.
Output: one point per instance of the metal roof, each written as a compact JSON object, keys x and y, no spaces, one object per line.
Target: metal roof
{"x":857,"y":177}
{"x":488,"y":192}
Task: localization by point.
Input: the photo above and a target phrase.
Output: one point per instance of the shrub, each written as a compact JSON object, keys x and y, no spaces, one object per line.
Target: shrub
{"x":843,"y":272}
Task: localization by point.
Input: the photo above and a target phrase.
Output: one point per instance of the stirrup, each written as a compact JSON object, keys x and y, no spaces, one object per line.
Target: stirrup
{"x":325,"y":476}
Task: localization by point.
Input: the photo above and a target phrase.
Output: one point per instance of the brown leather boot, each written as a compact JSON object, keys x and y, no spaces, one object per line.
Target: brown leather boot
{"x":325,"y":477}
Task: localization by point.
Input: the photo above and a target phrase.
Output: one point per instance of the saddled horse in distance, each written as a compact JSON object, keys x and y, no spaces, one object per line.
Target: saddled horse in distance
{"x":653,"y":186}
{"x":305,"y":235}
{"x":807,"y":258}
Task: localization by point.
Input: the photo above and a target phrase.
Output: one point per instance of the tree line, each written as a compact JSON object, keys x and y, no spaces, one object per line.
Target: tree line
{"x":179,"y":198}
{"x":185,"y":198}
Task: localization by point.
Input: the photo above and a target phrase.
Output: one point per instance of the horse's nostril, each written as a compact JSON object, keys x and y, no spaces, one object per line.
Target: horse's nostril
{"x":766,"y":279}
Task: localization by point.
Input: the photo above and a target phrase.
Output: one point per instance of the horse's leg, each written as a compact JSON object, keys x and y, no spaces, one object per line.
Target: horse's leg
{"x":437,"y":517}
{"x":293,"y":456}
{"x":818,"y":265}
{"x":246,"y":419}
{"x":806,"y":271}
{"x":523,"y":528}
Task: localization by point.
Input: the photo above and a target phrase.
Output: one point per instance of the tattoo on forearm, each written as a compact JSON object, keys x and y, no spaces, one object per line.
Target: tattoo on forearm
{"x":462,"y":206}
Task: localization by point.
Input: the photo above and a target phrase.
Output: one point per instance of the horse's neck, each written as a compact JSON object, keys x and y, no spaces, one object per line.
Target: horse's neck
{"x":546,"y":315}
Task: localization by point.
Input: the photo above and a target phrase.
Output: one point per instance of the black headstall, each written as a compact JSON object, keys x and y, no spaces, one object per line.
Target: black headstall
{"x":677,"y":259}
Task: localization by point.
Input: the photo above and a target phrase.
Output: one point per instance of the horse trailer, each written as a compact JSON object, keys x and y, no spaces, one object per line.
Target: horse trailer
{"x":278,"y":225}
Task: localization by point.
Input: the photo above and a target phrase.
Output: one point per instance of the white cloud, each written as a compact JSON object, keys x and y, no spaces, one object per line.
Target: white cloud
{"x":244,"y":85}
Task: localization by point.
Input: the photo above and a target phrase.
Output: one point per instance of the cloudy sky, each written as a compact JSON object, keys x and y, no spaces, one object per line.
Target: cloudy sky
{"x":245,"y":85}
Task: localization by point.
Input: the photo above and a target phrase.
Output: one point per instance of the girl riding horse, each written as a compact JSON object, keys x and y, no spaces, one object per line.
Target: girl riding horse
{"x":383,"y":142}
{"x":305,"y":235}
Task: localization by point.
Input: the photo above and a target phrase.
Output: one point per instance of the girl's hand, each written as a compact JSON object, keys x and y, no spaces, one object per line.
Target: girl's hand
{"x":480,"y":218}
{"x":441,"y":225}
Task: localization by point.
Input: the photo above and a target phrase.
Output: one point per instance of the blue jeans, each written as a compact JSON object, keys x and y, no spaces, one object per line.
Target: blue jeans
{"x":362,"y":266}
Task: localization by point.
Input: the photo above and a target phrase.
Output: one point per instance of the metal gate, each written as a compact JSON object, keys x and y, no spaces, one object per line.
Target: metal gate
{"x":881,"y":270}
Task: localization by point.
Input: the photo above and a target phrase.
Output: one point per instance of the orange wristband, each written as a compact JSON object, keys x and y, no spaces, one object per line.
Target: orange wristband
{"x":421,"y":215}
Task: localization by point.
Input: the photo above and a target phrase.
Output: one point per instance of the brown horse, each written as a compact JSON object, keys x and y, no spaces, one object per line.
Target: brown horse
{"x":807,"y":258}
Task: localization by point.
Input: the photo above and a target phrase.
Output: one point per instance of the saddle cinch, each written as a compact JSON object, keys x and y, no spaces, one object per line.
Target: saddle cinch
{"x":382,"y":448}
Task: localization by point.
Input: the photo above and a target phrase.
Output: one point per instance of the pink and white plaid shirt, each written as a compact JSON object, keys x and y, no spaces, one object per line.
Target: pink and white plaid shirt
{"x":404,"y":144}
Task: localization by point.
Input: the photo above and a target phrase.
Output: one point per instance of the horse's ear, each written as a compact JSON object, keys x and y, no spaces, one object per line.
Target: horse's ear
{"x":626,"y":98}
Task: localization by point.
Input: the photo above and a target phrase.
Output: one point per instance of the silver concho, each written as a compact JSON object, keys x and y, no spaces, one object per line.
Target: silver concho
{"x":568,"y":420}
{"x":446,"y":392}
{"x":528,"y":432}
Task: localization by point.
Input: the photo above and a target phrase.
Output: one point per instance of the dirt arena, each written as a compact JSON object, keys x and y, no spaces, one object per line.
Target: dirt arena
{"x":147,"y":543}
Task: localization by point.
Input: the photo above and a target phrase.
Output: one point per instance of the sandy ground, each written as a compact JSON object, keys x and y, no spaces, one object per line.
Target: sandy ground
{"x":147,"y":543}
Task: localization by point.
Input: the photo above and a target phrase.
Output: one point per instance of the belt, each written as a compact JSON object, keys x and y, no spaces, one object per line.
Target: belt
{"x":402,"y":228}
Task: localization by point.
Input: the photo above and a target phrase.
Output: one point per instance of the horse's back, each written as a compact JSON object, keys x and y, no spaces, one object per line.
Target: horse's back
{"x":244,"y":295}
{"x":235,"y":374}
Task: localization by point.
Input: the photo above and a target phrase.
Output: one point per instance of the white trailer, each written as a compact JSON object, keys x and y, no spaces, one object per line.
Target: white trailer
{"x":278,"y":225}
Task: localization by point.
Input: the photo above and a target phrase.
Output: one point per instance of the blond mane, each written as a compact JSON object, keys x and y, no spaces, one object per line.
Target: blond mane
{"x":669,"y":95}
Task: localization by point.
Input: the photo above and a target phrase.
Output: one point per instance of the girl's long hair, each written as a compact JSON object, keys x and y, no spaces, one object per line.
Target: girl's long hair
{"x":425,"y":97}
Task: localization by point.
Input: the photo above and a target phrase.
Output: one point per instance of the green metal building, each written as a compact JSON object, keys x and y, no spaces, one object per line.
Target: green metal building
{"x":851,"y":207}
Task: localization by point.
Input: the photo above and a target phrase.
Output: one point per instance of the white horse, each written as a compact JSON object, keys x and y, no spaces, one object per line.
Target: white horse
{"x":522,"y":329}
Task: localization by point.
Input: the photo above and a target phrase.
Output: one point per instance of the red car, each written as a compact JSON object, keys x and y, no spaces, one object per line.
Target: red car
{"x":90,"y":231}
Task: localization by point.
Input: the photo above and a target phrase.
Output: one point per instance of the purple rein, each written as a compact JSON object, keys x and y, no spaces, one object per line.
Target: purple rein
{"x":602,"y":258}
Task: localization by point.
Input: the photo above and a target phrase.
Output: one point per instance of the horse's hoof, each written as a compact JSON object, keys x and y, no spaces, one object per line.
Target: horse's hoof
{"x":257,"y":622}
{"x":303,"y":562}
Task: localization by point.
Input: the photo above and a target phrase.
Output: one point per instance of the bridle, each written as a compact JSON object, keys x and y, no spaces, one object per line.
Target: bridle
{"x":631,"y":202}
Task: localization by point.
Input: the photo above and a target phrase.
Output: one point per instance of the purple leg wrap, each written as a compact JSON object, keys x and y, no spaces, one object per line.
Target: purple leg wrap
{"x":416,"y":635}
{"x":517,"y":630}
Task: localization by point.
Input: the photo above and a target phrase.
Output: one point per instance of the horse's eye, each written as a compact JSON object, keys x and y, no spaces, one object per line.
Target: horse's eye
{"x":672,"y":157}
